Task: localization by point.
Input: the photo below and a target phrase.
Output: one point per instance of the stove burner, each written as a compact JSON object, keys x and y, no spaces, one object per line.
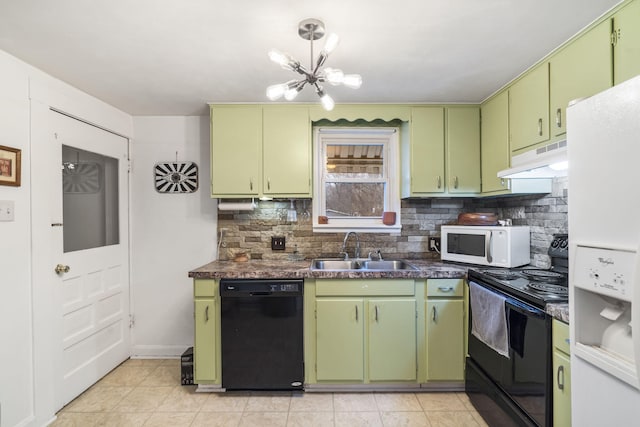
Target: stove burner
{"x":549,"y":288}
{"x":543,"y":275}
{"x":501,"y":274}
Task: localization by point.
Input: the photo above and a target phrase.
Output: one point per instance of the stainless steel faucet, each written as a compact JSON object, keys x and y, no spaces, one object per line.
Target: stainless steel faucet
{"x":344,"y":245}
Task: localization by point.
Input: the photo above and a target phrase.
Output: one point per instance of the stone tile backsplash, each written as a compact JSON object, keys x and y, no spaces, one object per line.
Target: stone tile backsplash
{"x":251,"y":232}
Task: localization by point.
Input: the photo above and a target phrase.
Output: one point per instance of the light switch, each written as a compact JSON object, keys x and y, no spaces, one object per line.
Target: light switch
{"x":6,"y":210}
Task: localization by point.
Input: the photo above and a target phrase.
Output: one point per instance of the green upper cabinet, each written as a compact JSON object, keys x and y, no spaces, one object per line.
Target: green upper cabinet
{"x":286,"y":151}
{"x":529,"y":109}
{"x":495,"y":155}
{"x":463,"y":150}
{"x":626,"y":42}
{"x":427,"y":151}
{"x":581,"y":69}
{"x":236,"y":150}
{"x":443,"y":157}
{"x":260,"y":150}
{"x":392,"y":339}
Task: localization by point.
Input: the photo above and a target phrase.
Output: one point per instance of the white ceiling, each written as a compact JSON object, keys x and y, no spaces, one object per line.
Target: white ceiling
{"x":171,"y":57}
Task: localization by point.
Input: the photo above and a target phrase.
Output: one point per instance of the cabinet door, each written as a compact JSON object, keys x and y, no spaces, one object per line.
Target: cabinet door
{"x":529,"y":109}
{"x":392,"y":339}
{"x":463,"y":149}
{"x":495,"y":154}
{"x":561,"y":389}
{"x":445,"y":340}
{"x":286,"y":150}
{"x":236,"y":150}
{"x":340,"y":339}
{"x":205,"y":340}
{"x":427,"y":150}
{"x":581,"y":69}
{"x":626,"y":42}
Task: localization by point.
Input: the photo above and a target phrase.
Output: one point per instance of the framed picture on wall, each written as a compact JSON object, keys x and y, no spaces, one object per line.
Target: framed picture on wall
{"x":9,"y":166}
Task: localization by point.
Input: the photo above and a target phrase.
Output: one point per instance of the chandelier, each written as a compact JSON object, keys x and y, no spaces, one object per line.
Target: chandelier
{"x":311,"y":29}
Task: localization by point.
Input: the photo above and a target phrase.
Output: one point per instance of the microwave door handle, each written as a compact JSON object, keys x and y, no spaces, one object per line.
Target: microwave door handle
{"x":487,"y":243}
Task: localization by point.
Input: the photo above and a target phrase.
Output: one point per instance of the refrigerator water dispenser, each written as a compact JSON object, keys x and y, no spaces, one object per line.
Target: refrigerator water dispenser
{"x":603,"y":301}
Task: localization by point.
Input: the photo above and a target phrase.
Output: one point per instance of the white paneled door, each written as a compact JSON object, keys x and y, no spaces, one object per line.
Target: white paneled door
{"x":90,"y":254}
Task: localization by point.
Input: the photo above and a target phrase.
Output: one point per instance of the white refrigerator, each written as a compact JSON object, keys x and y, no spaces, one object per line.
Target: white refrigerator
{"x":603,"y":138}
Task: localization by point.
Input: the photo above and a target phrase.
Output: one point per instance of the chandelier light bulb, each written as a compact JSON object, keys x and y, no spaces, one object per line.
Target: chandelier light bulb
{"x":291,"y":94}
{"x":275,"y":92}
{"x":354,"y":81}
{"x":282,"y":59}
{"x":327,"y":102}
{"x":334,"y":76}
{"x":331,"y":43}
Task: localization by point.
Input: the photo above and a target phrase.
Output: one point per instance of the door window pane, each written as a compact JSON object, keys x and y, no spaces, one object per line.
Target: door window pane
{"x":89,"y":199}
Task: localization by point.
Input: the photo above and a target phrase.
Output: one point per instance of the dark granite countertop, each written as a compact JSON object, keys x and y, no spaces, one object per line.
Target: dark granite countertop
{"x":254,"y":269}
{"x":559,"y":311}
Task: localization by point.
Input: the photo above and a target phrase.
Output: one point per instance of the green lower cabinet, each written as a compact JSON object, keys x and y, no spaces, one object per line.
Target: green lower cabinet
{"x":205,"y":341}
{"x":445,"y":339}
{"x":365,"y":339}
{"x":392,"y":340}
{"x":340,"y":339}
{"x":561,"y":375}
{"x":561,"y":389}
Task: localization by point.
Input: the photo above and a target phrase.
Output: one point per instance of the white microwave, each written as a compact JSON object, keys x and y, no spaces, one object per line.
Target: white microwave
{"x":495,"y":246}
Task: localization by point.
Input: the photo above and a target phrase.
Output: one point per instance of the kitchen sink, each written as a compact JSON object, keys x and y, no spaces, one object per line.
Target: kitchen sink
{"x":360,"y":265}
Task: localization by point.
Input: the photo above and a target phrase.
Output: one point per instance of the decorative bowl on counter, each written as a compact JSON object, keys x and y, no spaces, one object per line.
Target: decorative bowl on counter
{"x":477,"y":218}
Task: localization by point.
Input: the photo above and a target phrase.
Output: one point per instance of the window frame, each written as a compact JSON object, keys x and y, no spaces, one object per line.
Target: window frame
{"x":389,"y":138}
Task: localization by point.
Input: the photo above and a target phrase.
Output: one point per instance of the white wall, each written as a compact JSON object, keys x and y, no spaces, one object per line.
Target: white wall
{"x":26,"y":312}
{"x":16,"y":327}
{"x":171,"y":234}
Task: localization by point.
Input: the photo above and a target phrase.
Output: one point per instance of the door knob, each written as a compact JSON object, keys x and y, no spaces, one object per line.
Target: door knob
{"x":60,"y":268}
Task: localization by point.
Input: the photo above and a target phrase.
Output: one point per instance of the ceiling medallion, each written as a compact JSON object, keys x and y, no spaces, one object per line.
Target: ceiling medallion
{"x":311,"y":29}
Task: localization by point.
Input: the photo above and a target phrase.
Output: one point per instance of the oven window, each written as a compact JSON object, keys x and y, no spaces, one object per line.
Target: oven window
{"x":466,"y":244}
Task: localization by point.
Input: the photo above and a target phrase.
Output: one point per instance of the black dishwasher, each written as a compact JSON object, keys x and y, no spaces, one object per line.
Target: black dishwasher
{"x":262,"y":337}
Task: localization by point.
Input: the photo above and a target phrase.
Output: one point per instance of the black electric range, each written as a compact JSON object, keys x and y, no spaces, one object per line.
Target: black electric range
{"x":537,"y":287}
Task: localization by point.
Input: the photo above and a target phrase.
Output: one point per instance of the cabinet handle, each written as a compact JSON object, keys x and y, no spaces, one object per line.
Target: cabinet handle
{"x":445,"y":288}
{"x":559,"y":117}
{"x":376,"y":308}
{"x":539,"y":127}
{"x":268,"y":183}
{"x":356,"y":313}
{"x":614,"y":37}
{"x":251,"y":184}
{"x":206,"y":314}
{"x":434,"y":315}
{"x":439,"y":181}
{"x":455,"y":181}
{"x":559,"y":375}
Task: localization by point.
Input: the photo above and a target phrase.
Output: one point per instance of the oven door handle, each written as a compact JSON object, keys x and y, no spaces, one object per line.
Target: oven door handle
{"x":524,"y":308}
{"x":487,"y":246}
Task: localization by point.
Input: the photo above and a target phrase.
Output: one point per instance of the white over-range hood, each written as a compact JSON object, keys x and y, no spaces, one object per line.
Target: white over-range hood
{"x":545,"y":162}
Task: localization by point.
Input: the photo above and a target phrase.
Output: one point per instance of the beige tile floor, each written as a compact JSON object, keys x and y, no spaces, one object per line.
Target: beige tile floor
{"x":148,"y":393}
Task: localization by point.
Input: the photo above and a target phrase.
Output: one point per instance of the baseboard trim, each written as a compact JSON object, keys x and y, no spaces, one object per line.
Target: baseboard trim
{"x":157,"y":351}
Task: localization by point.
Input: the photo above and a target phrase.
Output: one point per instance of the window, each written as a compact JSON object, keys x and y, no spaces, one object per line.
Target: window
{"x":357,"y":178}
